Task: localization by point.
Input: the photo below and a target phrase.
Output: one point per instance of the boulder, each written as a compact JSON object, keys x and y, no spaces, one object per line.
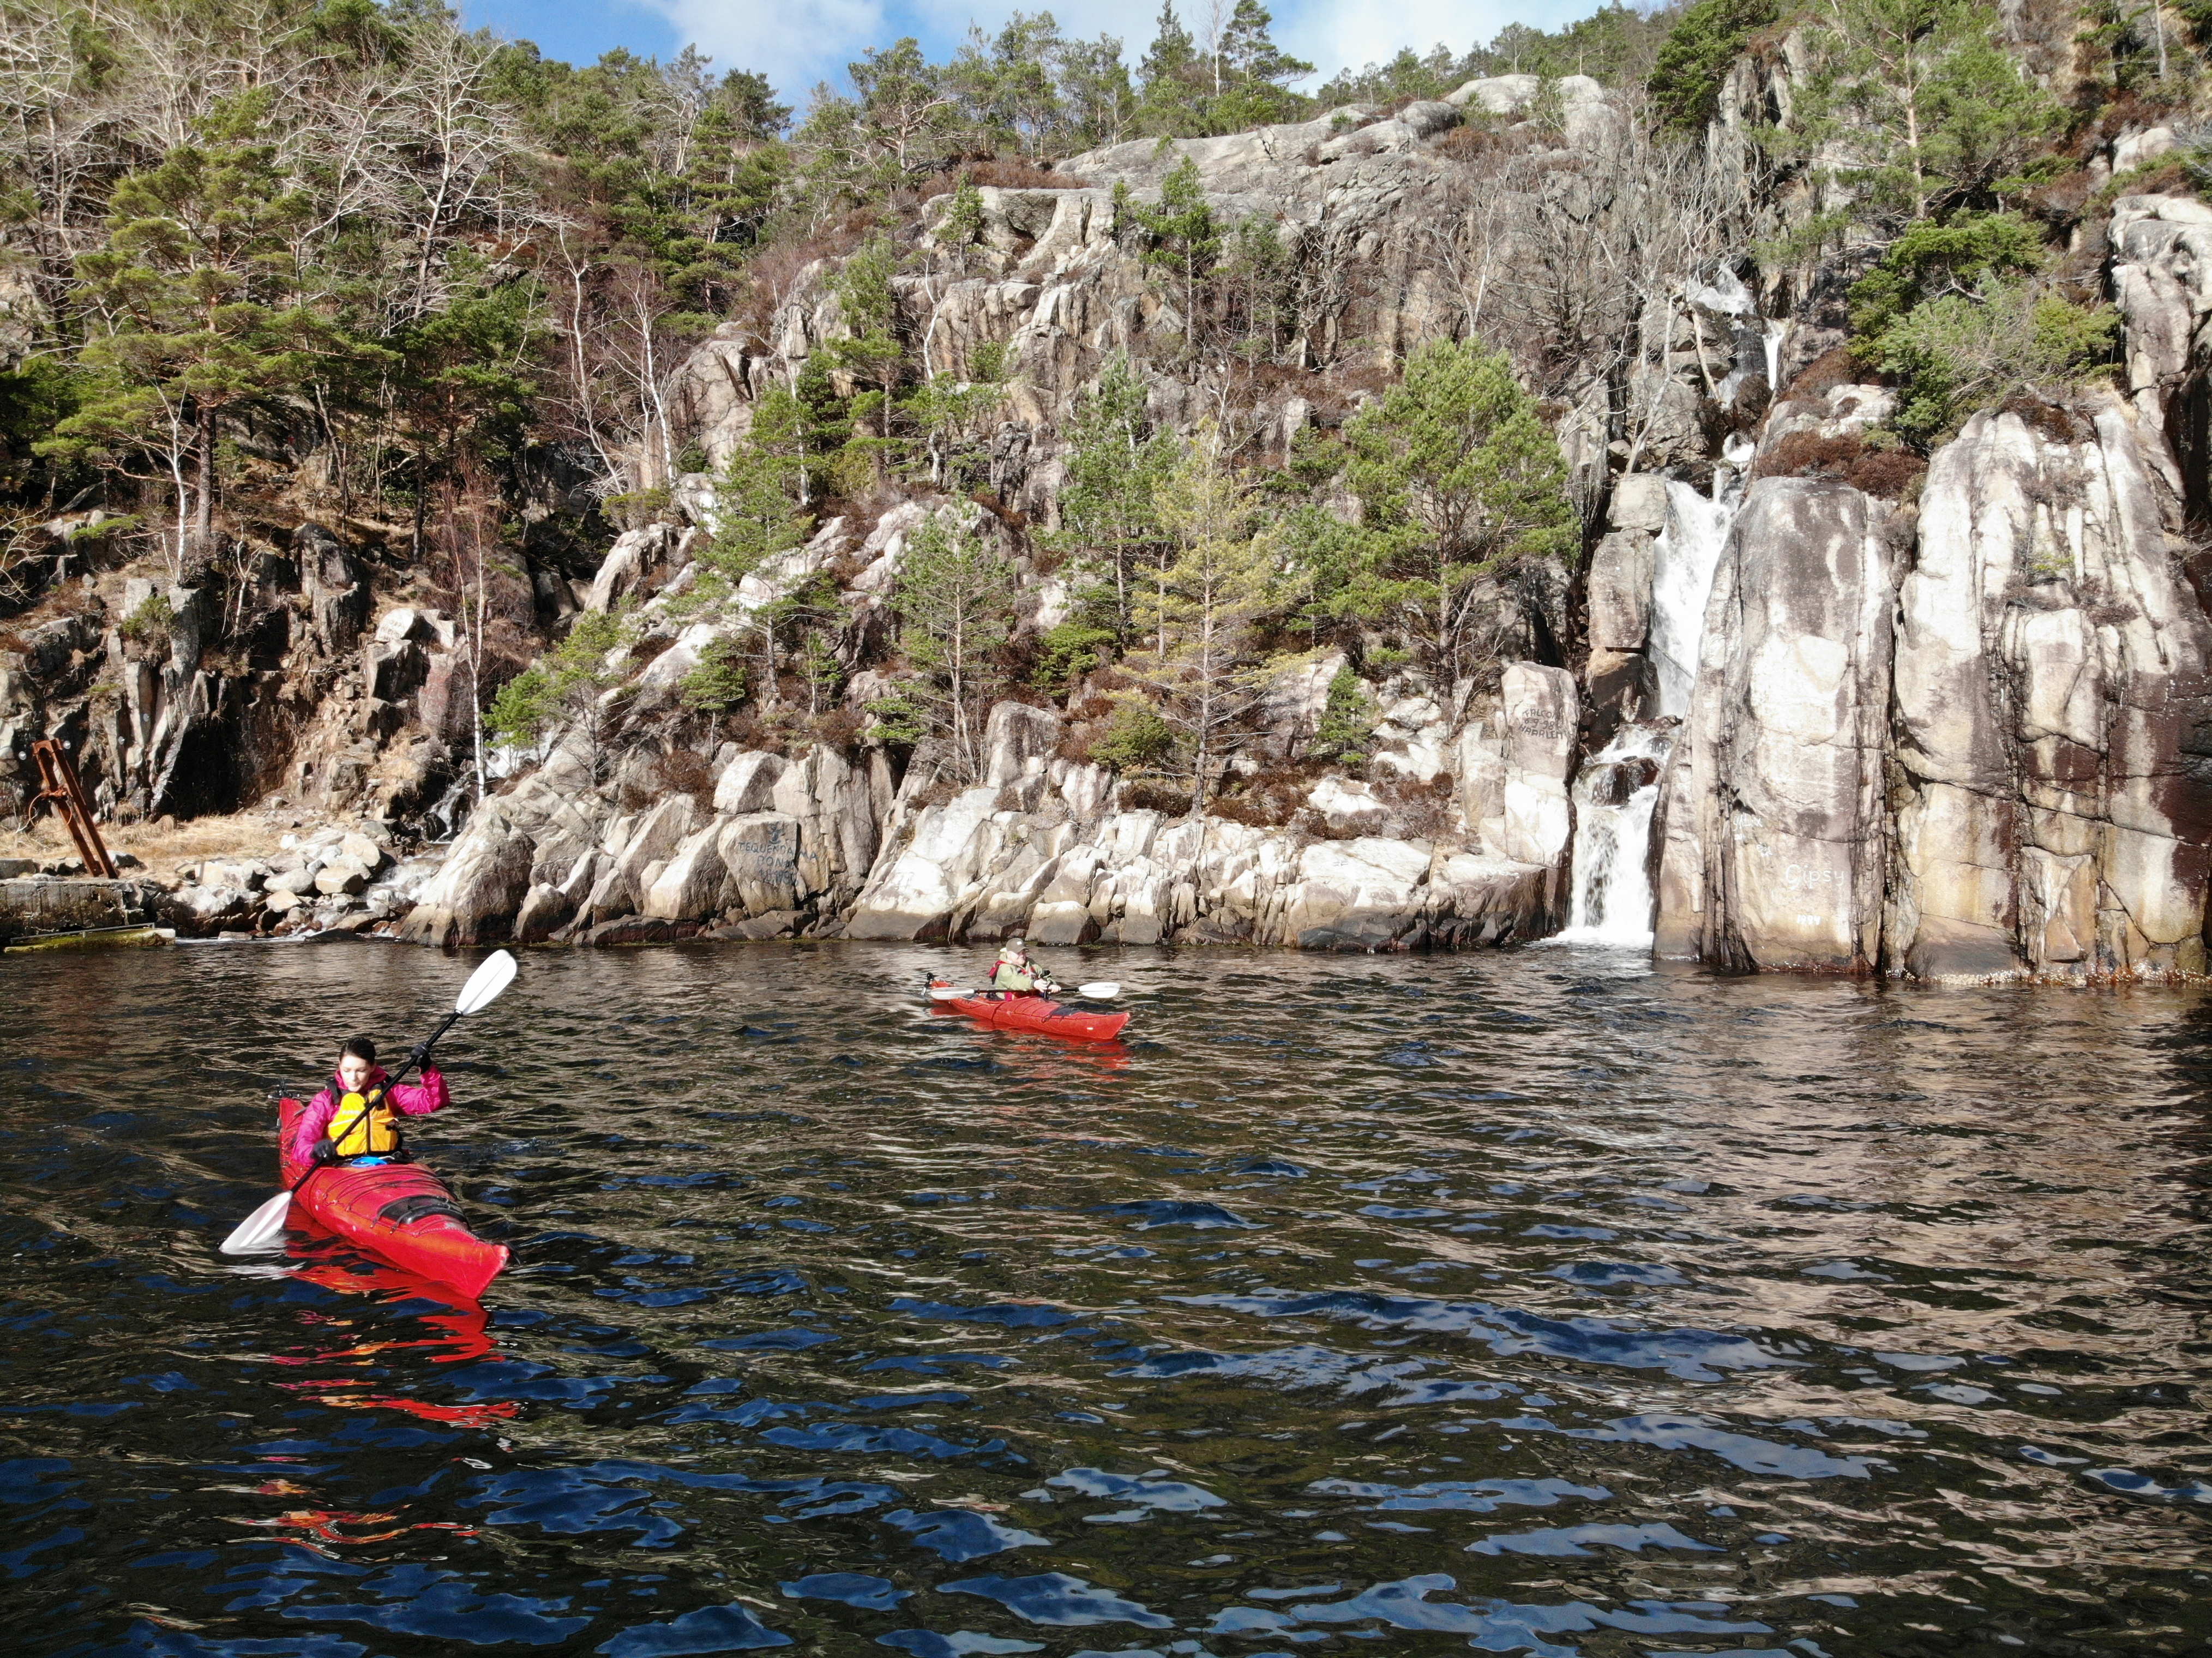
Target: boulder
{"x":690,"y":883}
{"x":364,"y":852}
{"x":1356,"y":894}
{"x":1476,"y":902}
{"x":629,"y":564}
{"x":1639,"y":502}
{"x":840,"y":808}
{"x":475,"y":896}
{"x":1539,"y":712}
{"x":1620,"y":571}
{"x":544,"y":911}
{"x":1344,"y":803}
{"x":207,"y":907}
{"x":775,"y":924}
{"x":232,"y":872}
{"x":1428,"y":117}
{"x":652,"y":841}
{"x":912,"y":895}
{"x":748,"y":783}
{"x":341,"y":877}
{"x":759,"y":854}
{"x":636,"y":930}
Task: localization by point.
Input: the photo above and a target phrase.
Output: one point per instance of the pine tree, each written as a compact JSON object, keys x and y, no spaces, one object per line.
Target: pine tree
{"x":870,"y":351}
{"x":756,"y":516}
{"x":568,"y":687}
{"x":1461,"y":483}
{"x":1185,"y":242}
{"x":194,"y":311}
{"x":1697,"y":55}
{"x":1107,"y":515}
{"x":955,"y":608}
{"x":1168,"y":76}
{"x":1254,"y":93}
{"x":1207,"y":668}
{"x":717,"y":684}
{"x":1346,"y":730}
{"x":1914,"y":108}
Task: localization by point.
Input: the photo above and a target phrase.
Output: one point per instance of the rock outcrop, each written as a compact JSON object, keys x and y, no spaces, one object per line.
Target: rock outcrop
{"x":2053,"y":690}
{"x":1993,"y":761}
{"x":1956,"y":726}
{"x":1772,"y":817}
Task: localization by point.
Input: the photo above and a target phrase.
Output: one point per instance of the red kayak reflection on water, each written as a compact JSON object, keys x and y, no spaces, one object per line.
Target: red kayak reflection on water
{"x":459,"y":1330}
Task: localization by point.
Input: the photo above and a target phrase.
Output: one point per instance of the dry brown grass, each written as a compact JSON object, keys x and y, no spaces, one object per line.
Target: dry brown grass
{"x":1835,"y":366}
{"x":1147,"y":795}
{"x":1424,"y":811}
{"x":1476,"y":145}
{"x":1892,"y":474}
{"x":774,"y":272}
{"x":161,"y":845}
{"x":1003,"y":173}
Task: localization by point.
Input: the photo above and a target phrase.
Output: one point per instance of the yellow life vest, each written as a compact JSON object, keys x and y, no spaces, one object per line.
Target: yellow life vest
{"x":364,"y":1125}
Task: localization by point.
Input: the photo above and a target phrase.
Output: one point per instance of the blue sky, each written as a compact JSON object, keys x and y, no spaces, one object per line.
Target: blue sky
{"x":798,"y":42}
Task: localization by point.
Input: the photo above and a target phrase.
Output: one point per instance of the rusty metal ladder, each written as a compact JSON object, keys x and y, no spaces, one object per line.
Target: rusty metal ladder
{"x":60,"y":783}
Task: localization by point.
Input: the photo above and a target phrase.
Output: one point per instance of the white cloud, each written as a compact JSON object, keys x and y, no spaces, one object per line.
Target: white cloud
{"x":797,"y":42}
{"x":1334,"y":34}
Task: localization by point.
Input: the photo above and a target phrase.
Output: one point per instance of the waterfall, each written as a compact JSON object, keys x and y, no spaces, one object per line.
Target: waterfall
{"x":1687,"y":551}
{"x":1617,"y":788}
{"x":1614,"y":794}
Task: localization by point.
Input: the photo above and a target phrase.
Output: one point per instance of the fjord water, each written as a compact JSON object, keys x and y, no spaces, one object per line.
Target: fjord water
{"x":1540,"y":1301}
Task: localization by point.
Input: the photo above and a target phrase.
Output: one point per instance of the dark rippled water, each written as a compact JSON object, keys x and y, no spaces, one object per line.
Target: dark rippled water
{"x":1538,"y":1302}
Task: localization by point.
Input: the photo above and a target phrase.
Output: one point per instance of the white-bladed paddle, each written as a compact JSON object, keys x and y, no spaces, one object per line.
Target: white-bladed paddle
{"x":1098,"y":992}
{"x":265,"y":1227}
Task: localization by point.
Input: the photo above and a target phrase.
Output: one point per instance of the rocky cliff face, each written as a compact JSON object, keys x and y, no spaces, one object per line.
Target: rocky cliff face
{"x":1967,"y":740}
{"x":1955,"y":728}
{"x":1771,"y":811}
{"x":304,"y":692}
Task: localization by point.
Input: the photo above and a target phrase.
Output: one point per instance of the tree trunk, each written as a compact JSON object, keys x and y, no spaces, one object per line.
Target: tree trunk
{"x":203,"y":509}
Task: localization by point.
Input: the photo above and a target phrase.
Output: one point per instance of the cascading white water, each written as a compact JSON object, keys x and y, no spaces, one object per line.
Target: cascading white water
{"x":1687,"y":551}
{"x":1618,"y":786}
{"x":1614,"y":795}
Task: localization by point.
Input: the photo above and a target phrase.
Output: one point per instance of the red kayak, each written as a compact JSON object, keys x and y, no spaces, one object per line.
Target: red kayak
{"x":1046,"y":1018}
{"x":400,"y":1211}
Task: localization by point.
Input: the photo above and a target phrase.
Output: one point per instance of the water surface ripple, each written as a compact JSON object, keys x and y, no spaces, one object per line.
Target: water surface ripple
{"x":1538,"y":1302}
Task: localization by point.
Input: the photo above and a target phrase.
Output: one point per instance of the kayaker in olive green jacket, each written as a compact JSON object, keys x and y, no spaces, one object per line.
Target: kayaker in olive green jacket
{"x":1016,"y":975}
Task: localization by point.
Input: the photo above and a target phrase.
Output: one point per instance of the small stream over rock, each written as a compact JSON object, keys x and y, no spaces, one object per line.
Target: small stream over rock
{"x":1616,"y":789}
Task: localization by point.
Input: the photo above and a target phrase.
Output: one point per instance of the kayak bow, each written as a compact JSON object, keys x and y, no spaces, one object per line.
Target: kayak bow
{"x":399,"y":1211}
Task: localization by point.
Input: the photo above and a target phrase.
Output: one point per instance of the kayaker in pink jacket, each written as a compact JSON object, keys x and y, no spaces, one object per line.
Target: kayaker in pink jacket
{"x":356,"y":1115}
